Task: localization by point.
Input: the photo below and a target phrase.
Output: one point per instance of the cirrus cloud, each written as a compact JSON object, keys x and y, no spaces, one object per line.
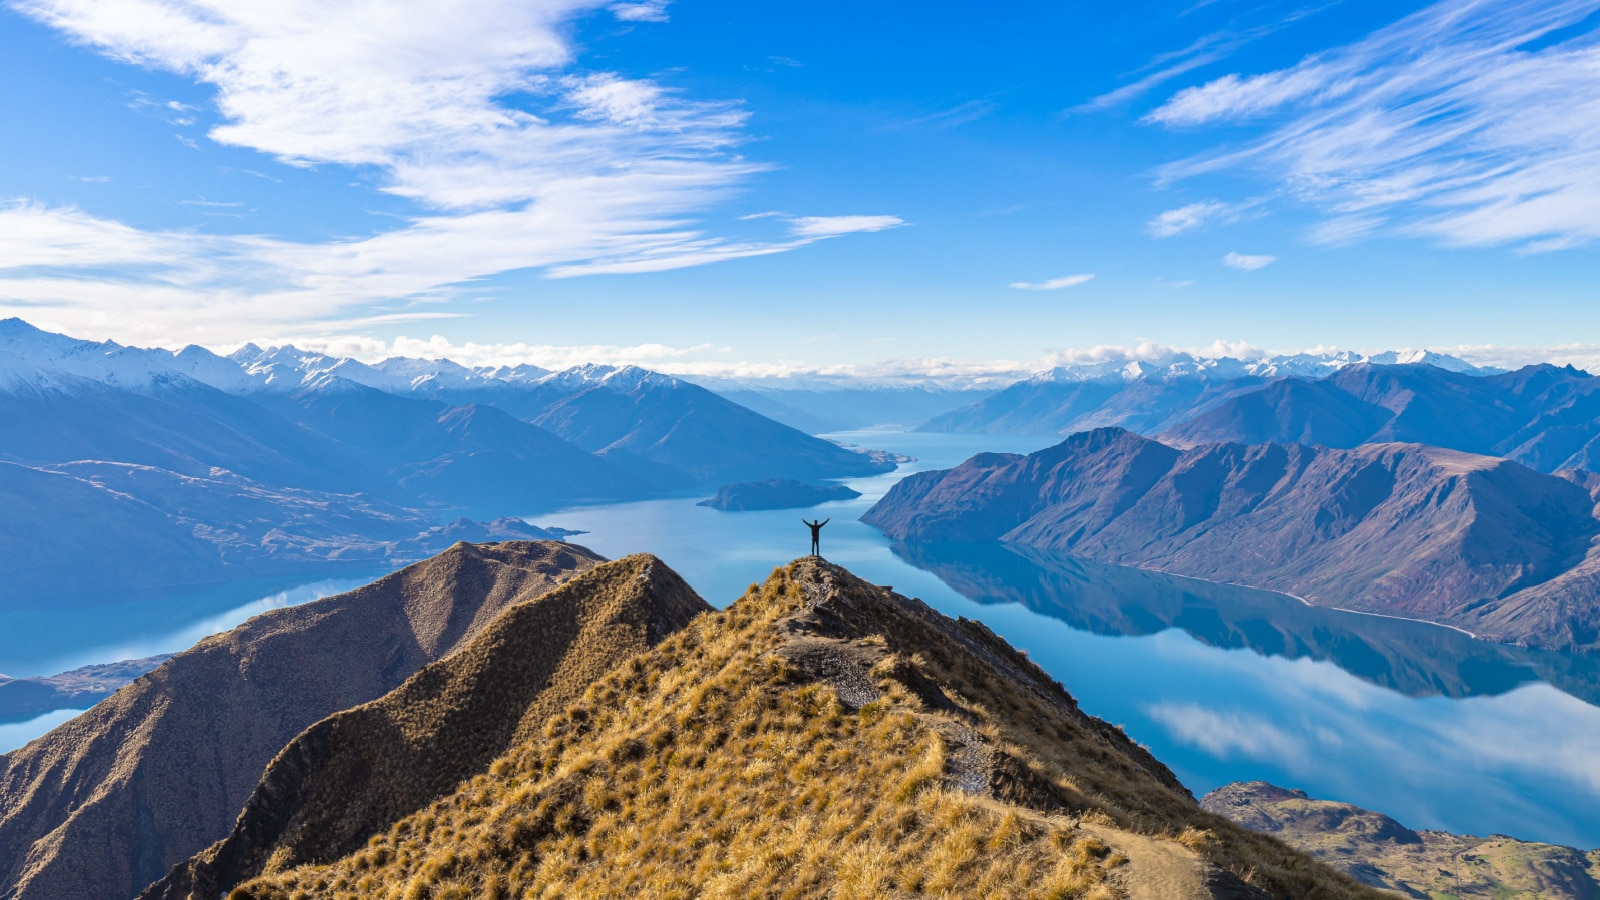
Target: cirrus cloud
{"x":515,"y":155}
{"x":1469,"y":122}
{"x":1054,"y":284}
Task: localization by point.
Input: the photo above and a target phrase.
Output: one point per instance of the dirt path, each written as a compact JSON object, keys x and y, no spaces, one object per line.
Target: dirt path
{"x":1156,"y":870}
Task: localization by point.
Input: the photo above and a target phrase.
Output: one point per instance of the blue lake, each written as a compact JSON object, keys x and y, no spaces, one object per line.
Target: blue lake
{"x":1222,"y":683}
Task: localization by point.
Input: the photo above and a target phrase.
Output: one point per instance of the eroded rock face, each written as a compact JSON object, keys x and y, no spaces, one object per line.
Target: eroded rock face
{"x":1400,"y":529}
{"x":110,"y":801}
{"x":1381,"y":852}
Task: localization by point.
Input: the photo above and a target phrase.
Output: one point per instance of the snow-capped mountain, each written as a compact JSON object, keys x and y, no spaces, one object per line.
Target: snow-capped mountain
{"x":1223,"y":368}
{"x":29,"y":355}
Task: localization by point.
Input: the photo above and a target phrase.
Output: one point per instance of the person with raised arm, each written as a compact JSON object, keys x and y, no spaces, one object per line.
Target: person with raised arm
{"x":816,"y":535}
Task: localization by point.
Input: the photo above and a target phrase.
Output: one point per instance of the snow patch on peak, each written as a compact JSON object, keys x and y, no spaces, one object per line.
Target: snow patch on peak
{"x":1299,"y":365}
{"x":631,"y":378}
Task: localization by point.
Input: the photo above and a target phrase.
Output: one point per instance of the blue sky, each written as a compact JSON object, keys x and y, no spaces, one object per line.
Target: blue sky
{"x":745,"y":188}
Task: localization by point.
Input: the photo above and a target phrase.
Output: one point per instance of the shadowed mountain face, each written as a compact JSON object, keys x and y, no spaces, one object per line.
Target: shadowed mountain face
{"x":463,"y":455}
{"x":1048,"y":406}
{"x":172,"y":423}
{"x":1544,"y":417}
{"x":1415,"y":658}
{"x":354,"y":774}
{"x":688,"y":429}
{"x":1381,"y":852}
{"x":852,"y":741}
{"x":110,"y":801}
{"x":1400,"y":529}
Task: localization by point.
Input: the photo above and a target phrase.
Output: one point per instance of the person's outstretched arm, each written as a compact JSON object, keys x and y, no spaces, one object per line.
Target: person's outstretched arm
{"x":825,"y":521}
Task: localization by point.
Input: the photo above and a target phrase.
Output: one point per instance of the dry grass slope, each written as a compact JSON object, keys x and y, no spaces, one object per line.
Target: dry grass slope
{"x":110,"y":801}
{"x":820,"y":737}
{"x":355,"y":773}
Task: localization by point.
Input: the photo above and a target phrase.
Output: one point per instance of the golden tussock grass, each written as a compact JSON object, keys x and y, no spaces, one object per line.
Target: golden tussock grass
{"x":820,"y":737}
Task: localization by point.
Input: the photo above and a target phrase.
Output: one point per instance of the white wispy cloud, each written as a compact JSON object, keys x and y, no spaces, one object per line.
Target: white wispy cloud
{"x":1452,"y":123}
{"x":1248,"y":262}
{"x":1187,"y":218}
{"x":588,"y":172}
{"x":1203,"y":51}
{"x":646,"y":11}
{"x":1054,"y":284}
{"x":830,"y":226}
{"x":955,"y":116}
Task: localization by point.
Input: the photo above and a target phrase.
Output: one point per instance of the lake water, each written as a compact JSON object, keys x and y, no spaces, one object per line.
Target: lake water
{"x":1221,"y":683}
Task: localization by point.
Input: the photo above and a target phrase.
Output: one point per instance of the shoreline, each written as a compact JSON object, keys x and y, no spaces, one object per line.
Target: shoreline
{"x":1303,"y":601}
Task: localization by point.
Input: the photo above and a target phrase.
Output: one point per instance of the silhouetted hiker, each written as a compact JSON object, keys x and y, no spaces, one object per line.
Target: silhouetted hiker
{"x":816,"y":535}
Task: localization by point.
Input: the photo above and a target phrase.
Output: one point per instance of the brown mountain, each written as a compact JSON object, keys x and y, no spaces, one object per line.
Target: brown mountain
{"x":1381,"y":852}
{"x":355,"y":773}
{"x":819,"y":737}
{"x":1400,"y":529}
{"x":110,"y":801}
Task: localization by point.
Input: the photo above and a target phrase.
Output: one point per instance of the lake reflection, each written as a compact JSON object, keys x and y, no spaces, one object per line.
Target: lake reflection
{"x":1225,"y":684}
{"x":1415,"y":658}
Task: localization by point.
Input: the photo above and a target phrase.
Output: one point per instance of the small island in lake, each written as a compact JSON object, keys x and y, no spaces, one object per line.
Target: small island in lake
{"x":777,"y":493}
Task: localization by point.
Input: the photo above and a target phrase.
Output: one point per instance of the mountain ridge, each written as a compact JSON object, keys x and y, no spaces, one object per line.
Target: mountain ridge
{"x":357,"y":772}
{"x":819,"y":735}
{"x":1476,"y":542}
{"x":108,"y":802}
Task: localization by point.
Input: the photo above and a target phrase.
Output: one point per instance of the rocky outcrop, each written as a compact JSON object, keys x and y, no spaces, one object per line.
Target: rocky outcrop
{"x":1381,"y":852}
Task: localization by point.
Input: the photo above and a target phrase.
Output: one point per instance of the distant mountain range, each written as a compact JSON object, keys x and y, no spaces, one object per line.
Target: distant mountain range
{"x":1544,"y":417}
{"x":1476,"y":542}
{"x":821,"y":406}
{"x":1150,"y":397}
{"x":129,"y":468}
